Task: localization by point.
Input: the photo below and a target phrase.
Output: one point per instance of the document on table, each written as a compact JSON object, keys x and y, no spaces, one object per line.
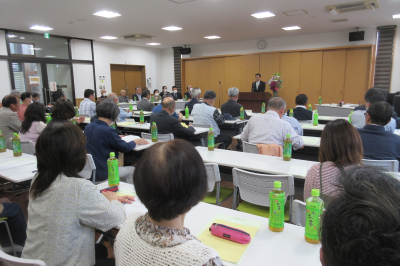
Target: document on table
{"x":130,"y":138}
{"x":28,"y":168}
{"x":229,"y":250}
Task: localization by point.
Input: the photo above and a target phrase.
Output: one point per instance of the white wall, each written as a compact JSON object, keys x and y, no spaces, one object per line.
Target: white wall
{"x":395,"y":83}
{"x":5,"y":87}
{"x":3,"y":44}
{"x":168,"y":78}
{"x":108,"y":53}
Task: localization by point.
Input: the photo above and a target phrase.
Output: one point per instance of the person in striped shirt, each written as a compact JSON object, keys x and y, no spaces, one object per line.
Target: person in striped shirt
{"x":88,"y":106}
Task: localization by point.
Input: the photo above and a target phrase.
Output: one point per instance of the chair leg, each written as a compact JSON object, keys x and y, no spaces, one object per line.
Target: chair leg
{"x":234,"y":198}
{"x":94,"y":176}
{"x":218,"y":190}
{"x":290,"y":208}
{"x":202,"y":141}
{"x":9,"y":236}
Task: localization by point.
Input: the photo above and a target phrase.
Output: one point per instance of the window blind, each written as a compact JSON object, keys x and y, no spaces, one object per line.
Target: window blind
{"x":384,"y":57}
{"x":177,"y":68}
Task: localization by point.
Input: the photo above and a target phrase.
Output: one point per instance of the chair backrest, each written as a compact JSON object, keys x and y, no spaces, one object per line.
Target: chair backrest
{"x":90,"y":168}
{"x":255,"y":188}
{"x":212,"y":175}
{"x":28,"y":147}
{"x":250,"y":148}
{"x":202,"y":125}
{"x":161,"y":137}
{"x":15,"y":261}
{"x":389,"y":165}
{"x":299,"y":213}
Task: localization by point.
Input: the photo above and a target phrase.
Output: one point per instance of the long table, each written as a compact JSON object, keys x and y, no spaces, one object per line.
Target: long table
{"x":308,"y":141}
{"x":312,"y":131}
{"x":332,"y":110}
{"x":23,"y":168}
{"x":289,"y":246}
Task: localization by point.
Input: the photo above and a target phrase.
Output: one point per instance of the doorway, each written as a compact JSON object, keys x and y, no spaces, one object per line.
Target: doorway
{"x":127,"y":77}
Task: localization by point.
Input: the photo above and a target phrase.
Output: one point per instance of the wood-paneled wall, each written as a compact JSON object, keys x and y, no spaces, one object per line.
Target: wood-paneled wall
{"x":335,"y":74}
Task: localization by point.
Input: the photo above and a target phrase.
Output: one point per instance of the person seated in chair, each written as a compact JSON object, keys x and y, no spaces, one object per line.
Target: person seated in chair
{"x":195,"y":99}
{"x":301,"y":112}
{"x":231,"y":106}
{"x":145,"y":104}
{"x":175,"y":94}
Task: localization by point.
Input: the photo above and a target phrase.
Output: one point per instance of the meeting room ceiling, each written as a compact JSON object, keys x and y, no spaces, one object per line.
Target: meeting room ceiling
{"x":229,"y":19}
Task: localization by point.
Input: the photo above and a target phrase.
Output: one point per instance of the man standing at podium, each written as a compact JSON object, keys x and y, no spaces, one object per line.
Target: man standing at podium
{"x":258,"y":85}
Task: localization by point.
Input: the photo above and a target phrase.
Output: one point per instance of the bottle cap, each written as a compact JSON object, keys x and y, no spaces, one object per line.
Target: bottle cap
{"x":288,"y":135}
{"x":315,"y":192}
{"x":291,"y":110}
{"x":316,"y":111}
{"x":154,"y":123}
{"x":277,"y":184}
{"x":211,"y":128}
{"x":112,"y":154}
{"x":141,"y":110}
{"x":0,"y":131}
{"x":15,"y":134}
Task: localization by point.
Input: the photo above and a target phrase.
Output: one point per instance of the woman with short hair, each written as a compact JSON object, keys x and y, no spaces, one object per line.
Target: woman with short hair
{"x":159,"y":236}
{"x":63,"y":111}
{"x":34,"y":122}
{"x":157,"y":96}
{"x":64,"y":210}
{"x":340,"y":148}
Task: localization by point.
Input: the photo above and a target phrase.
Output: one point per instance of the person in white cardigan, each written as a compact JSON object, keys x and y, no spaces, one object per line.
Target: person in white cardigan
{"x":64,"y":209}
{"x":159,"y":236}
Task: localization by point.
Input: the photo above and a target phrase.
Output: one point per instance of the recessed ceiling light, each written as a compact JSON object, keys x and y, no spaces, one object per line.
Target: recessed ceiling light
{"x":109,"y":37}
{"x":22,"y":38}
{"x":212,"y":37}
{"x":172,"y":28}
{"x":37,"y":49}
{"x":263,"y":15}
{"x":292,"y":28}
{"x":50,"y":56}
{"x":107,"y":14}
{"x":42,"y":28}
{"x":396,"y":16}
{"x":12,"y":36}
{"x":153,"y":43}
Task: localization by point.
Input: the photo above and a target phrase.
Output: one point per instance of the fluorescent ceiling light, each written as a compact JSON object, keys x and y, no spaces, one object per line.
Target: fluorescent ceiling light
{"x":50,"y":56}
{"x":12,"y":36}
{"x":396,"y":16}
{"x":292,"y":28}
{"x":42,"y":28}
{"x":263,"y":15}
{"x":172,"y":28}
{"x":37,"y":49}
{"x":153,"y":43}
{"x":107,"y":14}
{"x":109,"y":37}
{"x":212,"y":37}
{"x":22,"y":38}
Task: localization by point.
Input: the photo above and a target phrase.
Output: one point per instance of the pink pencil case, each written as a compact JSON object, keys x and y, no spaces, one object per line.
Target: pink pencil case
{"x":230,"y":233}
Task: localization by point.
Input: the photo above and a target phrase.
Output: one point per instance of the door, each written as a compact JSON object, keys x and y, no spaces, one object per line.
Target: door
{"x":133,"y":79}
{"x":59,"y":78}
{"x":28,"y":77}
{"x":117,"y":78}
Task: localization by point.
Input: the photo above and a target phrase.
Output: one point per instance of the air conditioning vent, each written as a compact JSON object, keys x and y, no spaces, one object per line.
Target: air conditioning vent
{"x":137,"y":37}
{"x":339,"y":20}
{"x":354,"y":6}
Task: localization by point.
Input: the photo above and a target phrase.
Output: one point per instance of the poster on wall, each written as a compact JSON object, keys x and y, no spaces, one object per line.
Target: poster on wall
{"x":53,"y":86}
{"x":34,"y":80}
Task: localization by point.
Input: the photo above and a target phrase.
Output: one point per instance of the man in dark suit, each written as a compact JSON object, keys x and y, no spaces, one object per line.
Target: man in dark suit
{"x":379,"y":144}
{"x":145,"y":104}
{"x":258,"y":85}
{"x":167,"y":124}
{"x":301,"y":112}
{"x":138,"y":95}
{"x":360,"y":107}
{"x":188,"y":94}
{"x":177,"y":95}
{"x":231,"y":106}
{"x":195,"y":100}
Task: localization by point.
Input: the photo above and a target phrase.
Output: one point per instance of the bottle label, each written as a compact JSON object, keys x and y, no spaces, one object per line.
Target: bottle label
{"x":320,"y":100}
{"x":276,"y":210}
{"x":263,"y":109}
{"x":315,"y":121}
{"x":291,"y":114}
{"x":313,"y":212}
{"x":287,"y":150}
{"x":113,"y":174}
{"x":185,"y":97}
{"x":77,"y":113}
{"x":186,"y":113}
{"x":2,"y":143}
{"x":154,"y":133}
{"x":210,"y":140}
{"x":241,"y":114}
{"x":141,"y":118}
{"x":130,"y":107}
{"x":113,"y":126}
{"x":16,"y":144}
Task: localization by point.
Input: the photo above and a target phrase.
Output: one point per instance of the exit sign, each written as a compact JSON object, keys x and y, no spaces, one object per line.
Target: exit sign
{"x":47,"y":35}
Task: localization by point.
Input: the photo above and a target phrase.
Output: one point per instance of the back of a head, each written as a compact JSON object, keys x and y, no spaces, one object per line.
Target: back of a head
{"x":195,"y":92}
{"x":168,"y":103}
{"x":15,"y":93}
{"x":63,"y":109}
{"x":276,"y":103}
{"x":301,"y":99}
{"x":25,"y":95}
{"x":108,"y":109}
{"x":60,"y":148}
{"x":88,"y":92}
{"x":375,"y":95}
{"x":167,"y":95}
{"x":380,"y":113}
{"x":209,"y":95}
{"x":34,"y":112}
{"x":145,"y":93}
{"x":9,"y":99}
{"x":166,"y":192}
{"x":232,"y":92}
{"x":57,"y":95}
{"x":35,"y":94}
{"x":340,"y":143}
{"x":361,"y":226}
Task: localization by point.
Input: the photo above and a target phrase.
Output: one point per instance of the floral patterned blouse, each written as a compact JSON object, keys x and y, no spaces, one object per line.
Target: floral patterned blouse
{"x":163,"y":237}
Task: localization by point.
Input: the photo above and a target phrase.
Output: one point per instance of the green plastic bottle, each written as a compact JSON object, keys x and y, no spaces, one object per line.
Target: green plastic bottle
{"x":276,"y":208}
{"x":310,"y":107}
{"x":48,"y":118}
{"x":113,"y":174}
{"x":16,"y":144}
{"x":287,"y":148}
{"x":315,"y":118}
{"x":113,"y":125}
{"x":291,"y":113}
{"x":134,"y":99}
{"x":320,"y":100}
{"x":152,"y":98}
{"x":185,"y":98}
{"x":141,"y":117}
{"x":76,"y":111}
{"x":314,"y":207}
{"x":241,"y":113}
{"x":263,"y":108}
{"x":350,"y":116}
{"x":130,"y":107}
{"x":154,"y":132}
{"x":2,"y":142}
{"x":211,"y":143}
{"x":186,"y":112}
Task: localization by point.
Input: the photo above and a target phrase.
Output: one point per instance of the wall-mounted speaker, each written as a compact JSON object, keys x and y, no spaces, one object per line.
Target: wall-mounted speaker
{"x":185,"y":50}
{"x":356,"y":36}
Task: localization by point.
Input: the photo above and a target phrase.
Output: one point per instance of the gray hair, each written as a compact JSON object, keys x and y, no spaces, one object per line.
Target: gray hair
{"x":168,"y":103}
{"x":113,"y":96}
{"x":195,"y":92}
{"x":276,"y":103}
{"x":15,"y":93}
{"x":232,"y":92}
{"x":35,"y":94}
{"x":210,"y":95}
{"x":108,"y":109}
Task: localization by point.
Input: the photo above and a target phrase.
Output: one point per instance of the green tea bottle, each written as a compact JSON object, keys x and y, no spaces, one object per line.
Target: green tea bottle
{"x":211,"y":139}
{"x":287,"y":148}
{"x":350,"y":116}
{"x":16,"y":144}
{"x":320,"y":100}
{"x":276,"y":208}
{"x":130,"y":107}
{"x":315,"y":118}
{"x":310,"y":107}
{"x":113,"y":125}
{"x":241,"y":113}
{"x":48,"y":118}
{"x":185,"y":98}
{"x":263,"y":108}
{"x":134,"y":99}
{"x":76,"y":111}
{"x":314,"y":207}
{"x":152,"y":98}
{"x":154,"y":132}
{"x":187,"y":112}
{"x":2,"y":142}
{"x":141,"y":117}
{"x":291,"y":113}
{"x":113,"y":174}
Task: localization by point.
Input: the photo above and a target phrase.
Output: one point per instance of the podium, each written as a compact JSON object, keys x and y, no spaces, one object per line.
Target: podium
{"x":254,"y":100}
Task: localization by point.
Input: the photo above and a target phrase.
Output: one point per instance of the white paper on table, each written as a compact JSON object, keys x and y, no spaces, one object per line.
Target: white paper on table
{"x":297,"y":170}
{"x":130,"y":138}
{"x":29,"y":168}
